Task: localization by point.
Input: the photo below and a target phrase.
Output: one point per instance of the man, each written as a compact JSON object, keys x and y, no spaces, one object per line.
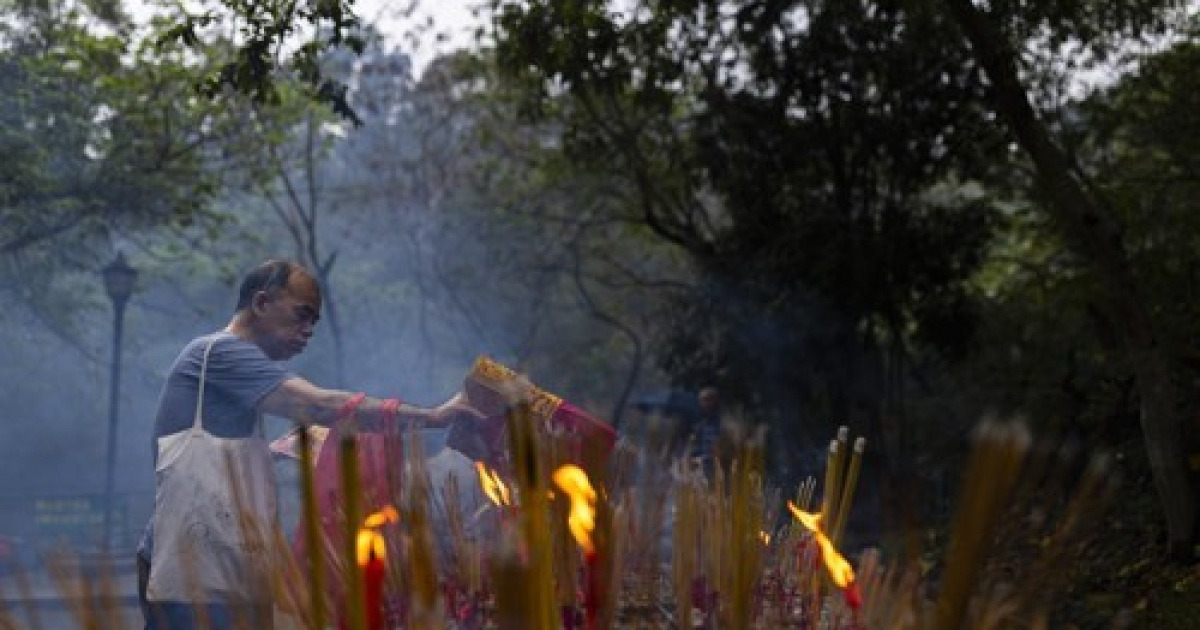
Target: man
{"x":203,"y":561}
{"x":706,"y":431}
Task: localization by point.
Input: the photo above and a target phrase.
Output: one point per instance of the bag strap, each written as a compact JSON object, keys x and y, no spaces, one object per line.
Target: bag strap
{"x":196,"y":421}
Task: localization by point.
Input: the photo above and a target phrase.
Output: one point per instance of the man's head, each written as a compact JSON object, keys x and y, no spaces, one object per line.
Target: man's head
{"x":709,"y":400}
{"x":278,"y":305}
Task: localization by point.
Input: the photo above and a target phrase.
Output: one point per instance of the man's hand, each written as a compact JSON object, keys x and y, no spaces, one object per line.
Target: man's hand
{"x":454,"y":409}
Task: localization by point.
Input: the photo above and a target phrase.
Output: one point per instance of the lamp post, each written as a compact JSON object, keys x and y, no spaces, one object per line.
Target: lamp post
{"x":118,"y":283}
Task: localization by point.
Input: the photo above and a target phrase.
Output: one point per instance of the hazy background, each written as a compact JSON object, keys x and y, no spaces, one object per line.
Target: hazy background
{"x":819,"y":208}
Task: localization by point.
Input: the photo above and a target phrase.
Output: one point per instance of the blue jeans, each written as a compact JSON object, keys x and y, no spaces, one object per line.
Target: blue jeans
{"x":188,"y":616}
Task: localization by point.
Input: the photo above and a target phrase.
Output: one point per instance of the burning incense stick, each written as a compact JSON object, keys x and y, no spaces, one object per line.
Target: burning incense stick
{"x":582,"y":521}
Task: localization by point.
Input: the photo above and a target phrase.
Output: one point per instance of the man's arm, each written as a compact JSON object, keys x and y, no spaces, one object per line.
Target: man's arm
{"x":305,"y":403}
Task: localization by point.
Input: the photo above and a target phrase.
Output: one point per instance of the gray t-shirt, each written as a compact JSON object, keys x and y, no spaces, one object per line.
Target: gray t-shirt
{"x":239,"y":376}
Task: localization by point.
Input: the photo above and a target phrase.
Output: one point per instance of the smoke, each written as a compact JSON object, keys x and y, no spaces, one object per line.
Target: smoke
{"x":429,"y":266}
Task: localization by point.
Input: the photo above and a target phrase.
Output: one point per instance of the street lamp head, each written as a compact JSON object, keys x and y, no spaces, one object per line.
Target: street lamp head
{"x":118,"y":279}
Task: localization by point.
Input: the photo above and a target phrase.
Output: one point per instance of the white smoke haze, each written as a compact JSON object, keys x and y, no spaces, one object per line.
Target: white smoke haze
{"x":430,"y":269}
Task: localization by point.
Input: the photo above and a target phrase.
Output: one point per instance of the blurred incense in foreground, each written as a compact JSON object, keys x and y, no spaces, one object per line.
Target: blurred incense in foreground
{"x":720,"y":541}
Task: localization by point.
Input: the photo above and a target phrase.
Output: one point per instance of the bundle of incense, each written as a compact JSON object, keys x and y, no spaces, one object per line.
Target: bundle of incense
{"x":462,"y":580}
{"x":89,"y":600}
{"x":354,"y":605}
{"x":685,"y":547}
{"x":745,"y":546}
{"x":833,"y":473}
{"x":1083,"y":503}
{"x":492,"y":388}
{"x":644,"y":501}
{"x":555,"y":452}
{"x":788,"y":561}
{"x":991,"y":474}
{"x":1001,"y":476}
{"x":422,"y":568}
{"x":566,"y":571}
{"x":25,"y":592}
{"x":849,"y":483}
{"x":841,"y":479}
{"x":620,"y":522}
{"x":715,"y":542}
{"x":311,"y":530}
{"x":512,"y":576}
{"x":290,"y":588}
{"x":464,"y":576}
{"x":890,"y":599}
{"x":538,"y":599}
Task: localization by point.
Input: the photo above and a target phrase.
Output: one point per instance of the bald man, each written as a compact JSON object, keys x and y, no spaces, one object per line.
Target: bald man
{"x":204,"y":559}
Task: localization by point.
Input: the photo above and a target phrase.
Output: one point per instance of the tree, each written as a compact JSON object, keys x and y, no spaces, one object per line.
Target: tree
{"x":505,"y":245}
{"x":792,"y":151}
{"x":276,"y":47}
{"x":295,"y":187}
{"x":103,"y":139}
{"x":1089,"y":224}
{"x":718,"y":94}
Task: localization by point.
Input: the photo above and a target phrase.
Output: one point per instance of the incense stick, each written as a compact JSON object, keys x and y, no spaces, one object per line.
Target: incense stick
{"x":354,"y":605}
{"x":838,"y":524}
{"x":991,"y":473}
{"x":312,"y":531}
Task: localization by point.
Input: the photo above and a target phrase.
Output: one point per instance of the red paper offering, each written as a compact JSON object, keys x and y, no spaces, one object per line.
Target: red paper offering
{"x":492,"y":387}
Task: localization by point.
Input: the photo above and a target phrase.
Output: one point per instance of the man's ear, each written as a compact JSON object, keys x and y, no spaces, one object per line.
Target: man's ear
{"x":260,"y":301}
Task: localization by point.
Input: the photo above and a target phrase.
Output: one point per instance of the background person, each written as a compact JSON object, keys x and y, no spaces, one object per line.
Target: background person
{"x":706,"y":428}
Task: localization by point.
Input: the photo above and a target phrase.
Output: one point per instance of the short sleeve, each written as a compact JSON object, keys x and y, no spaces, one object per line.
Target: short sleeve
{"x":242,"y":372}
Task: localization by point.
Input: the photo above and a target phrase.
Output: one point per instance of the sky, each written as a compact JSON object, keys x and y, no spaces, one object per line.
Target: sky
{"x":451,"y":18}
{"x":395,"y":18}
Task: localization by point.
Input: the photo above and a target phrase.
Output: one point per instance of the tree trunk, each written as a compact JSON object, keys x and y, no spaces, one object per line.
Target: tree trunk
{"x":1092,"y":231}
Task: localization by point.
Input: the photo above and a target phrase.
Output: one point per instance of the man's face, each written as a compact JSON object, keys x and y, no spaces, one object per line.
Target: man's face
{"x":286,"y":317}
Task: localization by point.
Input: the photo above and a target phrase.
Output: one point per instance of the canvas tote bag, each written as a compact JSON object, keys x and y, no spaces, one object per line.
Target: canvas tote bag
{"x":215,"y":515}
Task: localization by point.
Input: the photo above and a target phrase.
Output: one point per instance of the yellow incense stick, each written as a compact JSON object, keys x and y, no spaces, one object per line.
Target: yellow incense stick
{"x":684,"y":548}
{"x":421,"y":562}
{"x":828,"y":501}
{"x":838,"y":525}
{"x":746,"y":524}
{"x":355,"y":606}
{"x":531,"y":483}
{"x":312,"y":531}
{"x":832,"y":484}
{"x":512,"y":582}
{"x":996,"y":460}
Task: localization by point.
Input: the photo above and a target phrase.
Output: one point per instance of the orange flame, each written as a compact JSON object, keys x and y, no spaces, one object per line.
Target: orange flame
{"x":369,"y":541}
{"x":492,"y":485}
{"x":582,"y":518}
{"x":764,"y":537}
{"x":839,"y":569}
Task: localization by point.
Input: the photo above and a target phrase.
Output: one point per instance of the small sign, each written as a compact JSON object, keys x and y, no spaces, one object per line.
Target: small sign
{"x":78,"y":519}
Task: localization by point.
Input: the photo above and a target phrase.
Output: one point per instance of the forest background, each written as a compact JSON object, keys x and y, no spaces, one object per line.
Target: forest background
{"x":898,"y":216}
